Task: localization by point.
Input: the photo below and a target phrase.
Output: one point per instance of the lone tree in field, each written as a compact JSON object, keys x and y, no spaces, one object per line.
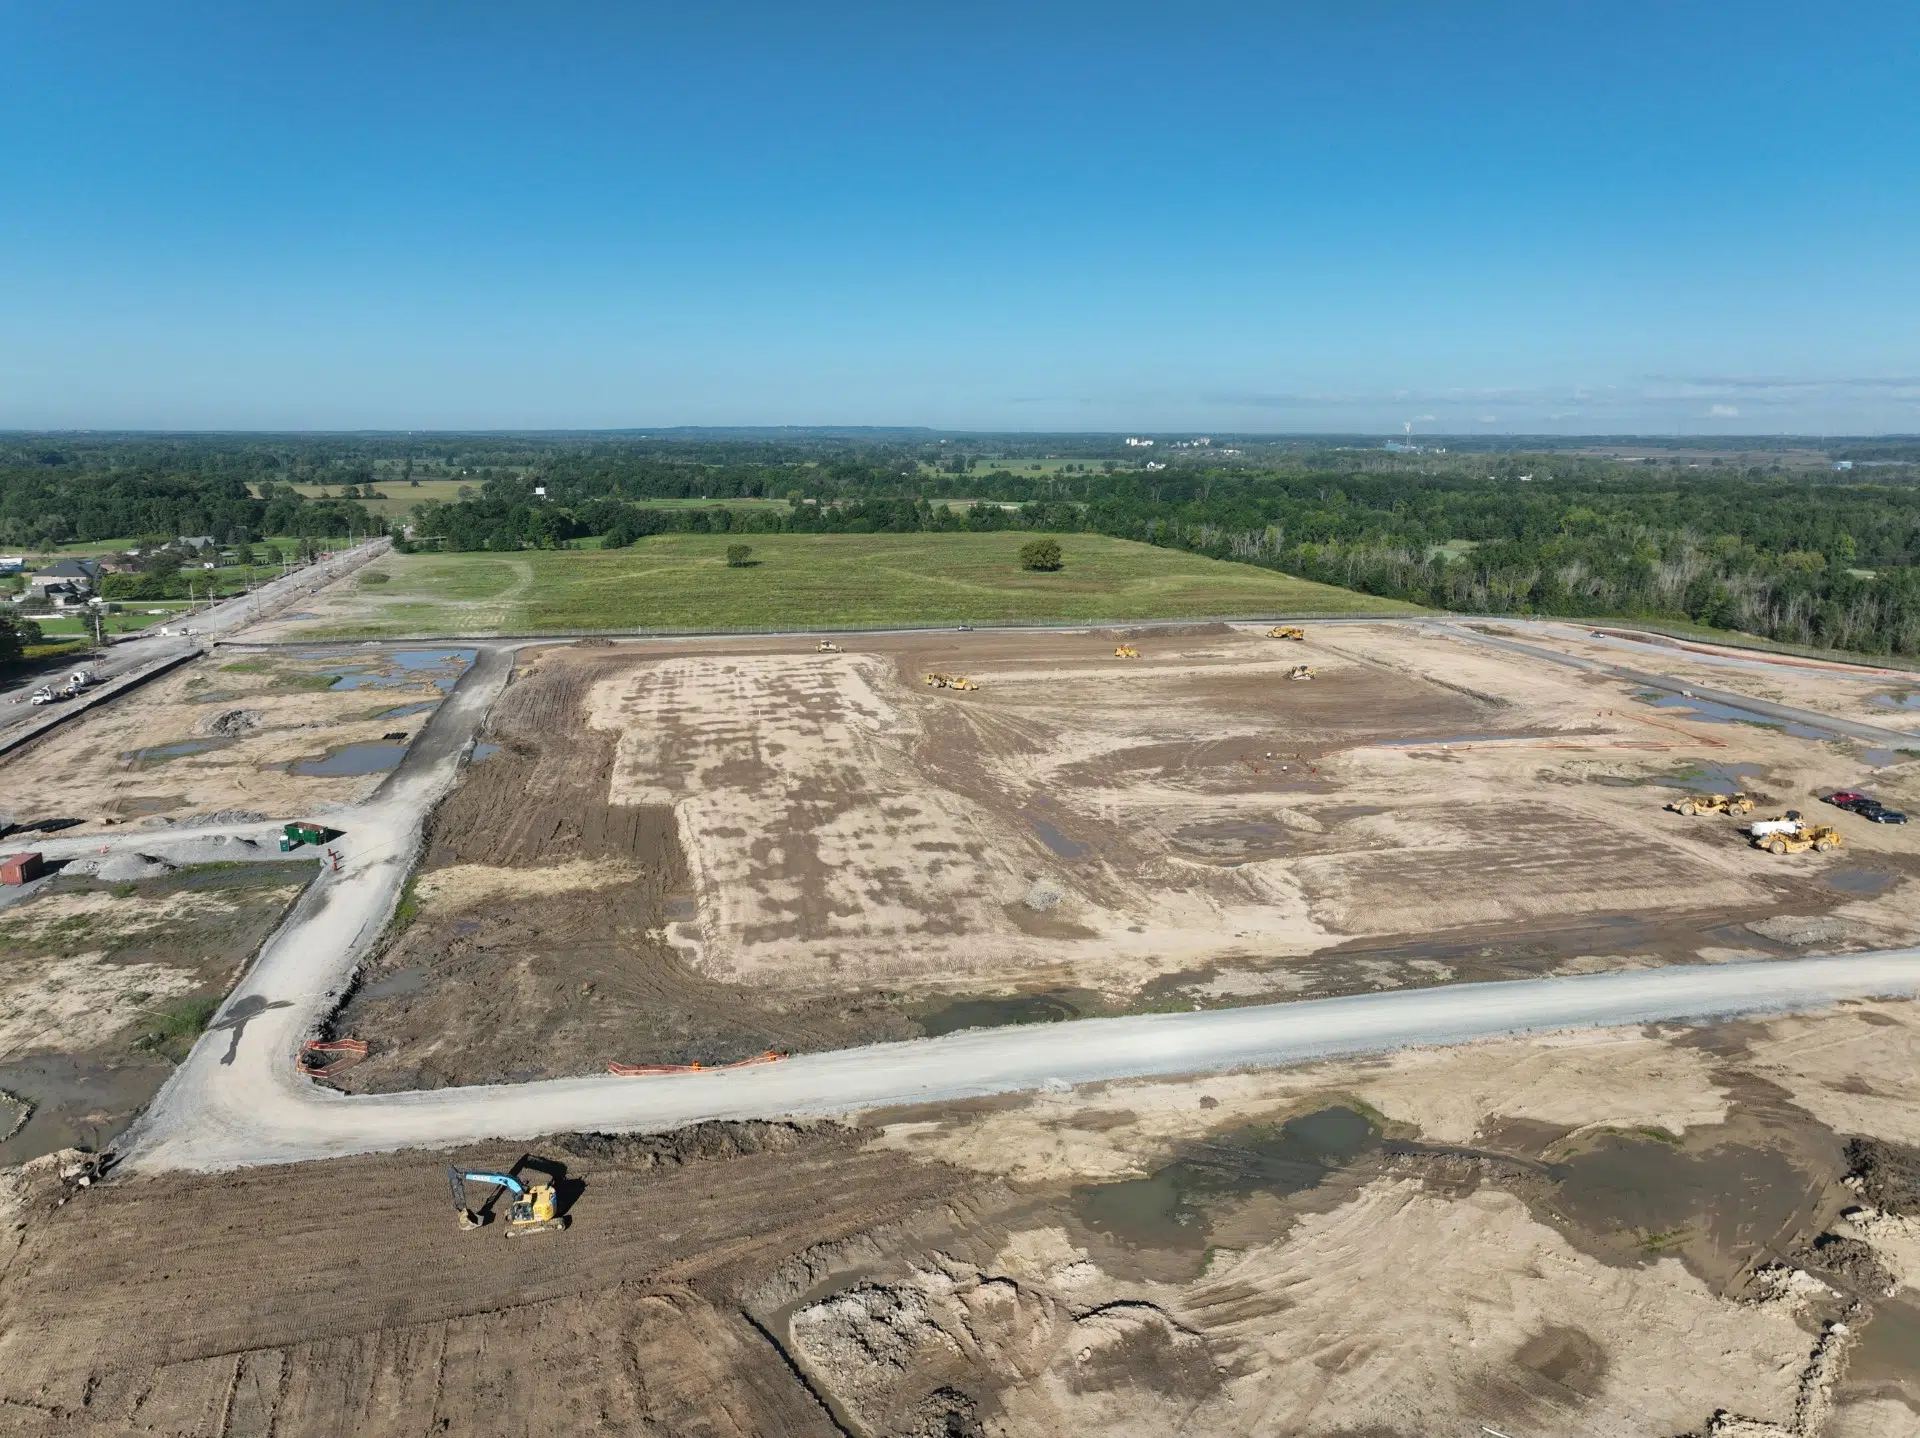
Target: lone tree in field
{"x":1041,"y":554}
{"x":739,"y":555}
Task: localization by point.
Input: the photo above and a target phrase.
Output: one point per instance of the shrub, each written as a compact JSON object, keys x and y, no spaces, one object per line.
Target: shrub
{"x":374,"y":576}
{"x":1041,"y":554}
{"x":739,"y":556}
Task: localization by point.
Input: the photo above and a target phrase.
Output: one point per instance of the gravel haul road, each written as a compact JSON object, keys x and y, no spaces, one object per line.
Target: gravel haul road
{"x":259,"y":1110}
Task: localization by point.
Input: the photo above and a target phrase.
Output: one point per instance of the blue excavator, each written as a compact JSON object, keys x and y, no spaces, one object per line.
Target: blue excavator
{"x":532,"y":1207}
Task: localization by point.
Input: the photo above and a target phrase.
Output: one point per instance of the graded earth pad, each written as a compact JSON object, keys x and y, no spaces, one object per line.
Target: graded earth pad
{"x":258,"y":732}
{"x":1555,"y":1235}
{"x":695,"y":852}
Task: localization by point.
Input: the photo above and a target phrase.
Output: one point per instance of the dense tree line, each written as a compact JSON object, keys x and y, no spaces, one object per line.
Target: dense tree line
{"x":48,"y":505}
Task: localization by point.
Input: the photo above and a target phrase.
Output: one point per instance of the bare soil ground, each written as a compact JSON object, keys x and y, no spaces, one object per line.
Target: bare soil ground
{"x":697,"y":851}
{"x":1600,"y":1233}
{"x":536,"y":938}
{"x":220,"y":735}
{"x":103,"y":985}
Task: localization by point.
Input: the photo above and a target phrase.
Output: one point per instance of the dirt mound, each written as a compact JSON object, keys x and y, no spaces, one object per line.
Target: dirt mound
{"x":703,"y":1143}
{"x":130,"y":868}
{"x":1852,"y":1262}
{"x":1886,"y":1175}
{"x":232,"y":723}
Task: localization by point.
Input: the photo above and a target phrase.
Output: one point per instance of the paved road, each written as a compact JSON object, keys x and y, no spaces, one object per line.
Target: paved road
{"x":239,"y":1098}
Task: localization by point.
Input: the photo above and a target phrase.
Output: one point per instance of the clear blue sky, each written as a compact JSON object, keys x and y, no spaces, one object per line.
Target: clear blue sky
{"x":1260,"y":216}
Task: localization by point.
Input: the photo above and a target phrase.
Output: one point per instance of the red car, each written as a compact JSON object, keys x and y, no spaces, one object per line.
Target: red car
{"x":1847,"y":799}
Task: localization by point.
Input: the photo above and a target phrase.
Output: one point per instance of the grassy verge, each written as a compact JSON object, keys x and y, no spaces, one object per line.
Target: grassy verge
{"x":802,"y":581}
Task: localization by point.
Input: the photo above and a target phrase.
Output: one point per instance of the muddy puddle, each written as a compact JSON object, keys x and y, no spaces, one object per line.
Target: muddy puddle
{"x":1859,"y":881}
{"x":77,"y":1102}
{"x":1886,"y":1360}
{"x":1234,"y":841}
{"x":406,"y":980}
{"x":1726,"y":777}
{"x":1901,"y":699}
{"x":1721,"y":1207}
{"x":1712,"y":711}
{"x":161,"y":753}
{"x":484,"y":751}
{"x":349,"y":760}
{"x":402,"y":669}
{"x":993,"y":1013}
{"x":1050,"y":835}
{"x":1171,"y":1208}
{"x":1886,"y":758}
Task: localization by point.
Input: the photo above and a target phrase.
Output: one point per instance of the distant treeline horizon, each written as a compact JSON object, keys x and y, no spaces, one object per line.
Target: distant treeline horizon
{"x":1811,"y":557}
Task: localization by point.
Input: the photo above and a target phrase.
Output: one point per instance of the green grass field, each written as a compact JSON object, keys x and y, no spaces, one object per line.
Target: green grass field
{"x":401,"y":496}
{"x":800,"y":581}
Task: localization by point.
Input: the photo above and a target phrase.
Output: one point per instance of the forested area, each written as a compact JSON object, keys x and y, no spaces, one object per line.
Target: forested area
{"x":1807,"y":555}
{"x":44,"y":506}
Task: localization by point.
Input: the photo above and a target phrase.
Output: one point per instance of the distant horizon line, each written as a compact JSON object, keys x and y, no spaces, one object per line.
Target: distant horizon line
{"x":649,"y":431}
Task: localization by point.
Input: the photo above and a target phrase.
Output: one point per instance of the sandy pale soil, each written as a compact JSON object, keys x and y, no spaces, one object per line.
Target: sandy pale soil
{"x":1627,"y":1233}
{"x":220,"y":735}
{"x":1088,"y":822}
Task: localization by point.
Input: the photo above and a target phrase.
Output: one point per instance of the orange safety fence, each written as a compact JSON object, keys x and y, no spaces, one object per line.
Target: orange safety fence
{"x":339,"y":1053}
{"x":637,"y":1070}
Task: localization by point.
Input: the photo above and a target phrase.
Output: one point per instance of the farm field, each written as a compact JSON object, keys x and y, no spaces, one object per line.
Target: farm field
{"x":682,"y":581}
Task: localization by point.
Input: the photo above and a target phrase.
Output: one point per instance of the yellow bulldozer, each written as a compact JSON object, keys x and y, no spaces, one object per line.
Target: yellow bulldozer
{"x":1125,"y":651}
{"x":950,"y":681}
{"x":826,"y":646}
{"x":1286,"y":631}
{"x":1300,"y":671}
{"x":1734,"y":803}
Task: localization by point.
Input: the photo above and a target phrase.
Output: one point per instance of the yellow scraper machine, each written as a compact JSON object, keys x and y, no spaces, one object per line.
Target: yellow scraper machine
{"x":531,"y":1207}
{"x":950,"y":681}
{"x":1286,"y":631}
{"x":1734,"y":803}
{"x":1125,"y":651}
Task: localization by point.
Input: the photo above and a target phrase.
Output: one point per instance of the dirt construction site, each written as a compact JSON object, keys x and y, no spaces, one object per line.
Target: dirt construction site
{"x":702,"y":851}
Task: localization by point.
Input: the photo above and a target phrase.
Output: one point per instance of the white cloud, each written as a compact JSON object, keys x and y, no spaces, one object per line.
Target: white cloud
{"x":1725,"y":411}
{"x":1423,"y":419}
{"x":1489,"y":419}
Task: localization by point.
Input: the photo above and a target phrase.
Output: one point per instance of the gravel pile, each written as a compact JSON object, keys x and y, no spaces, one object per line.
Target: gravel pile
{"x":127,"y":868}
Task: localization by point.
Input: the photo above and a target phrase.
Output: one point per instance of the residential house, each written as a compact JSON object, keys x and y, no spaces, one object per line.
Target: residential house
{"x":64,"y":582}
